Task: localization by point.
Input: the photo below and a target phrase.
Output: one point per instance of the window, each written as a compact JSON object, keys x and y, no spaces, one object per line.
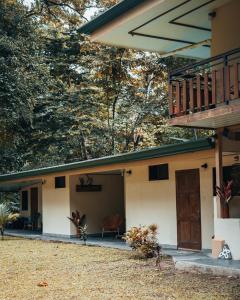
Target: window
{"x":60,"y":182}
{"x":158,"y":172}
{"x":24,"y":200}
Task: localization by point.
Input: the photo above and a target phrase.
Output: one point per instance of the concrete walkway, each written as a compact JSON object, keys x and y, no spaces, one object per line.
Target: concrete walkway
{"x":189,"y":261}
{"x":108,"y":242}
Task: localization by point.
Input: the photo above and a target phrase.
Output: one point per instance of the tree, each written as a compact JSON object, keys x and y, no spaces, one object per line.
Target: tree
{"x":23,"y":77}
{"x":73,"y":99}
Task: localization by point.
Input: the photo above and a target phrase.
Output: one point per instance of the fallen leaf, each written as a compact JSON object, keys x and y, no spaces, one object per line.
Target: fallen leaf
{"x":43,"y":284}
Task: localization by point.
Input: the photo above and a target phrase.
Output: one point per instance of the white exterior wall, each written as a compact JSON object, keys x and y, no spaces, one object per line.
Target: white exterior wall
{"x":56,"y":207}
{"x":150,"y":202}
{"x":229,"y":229}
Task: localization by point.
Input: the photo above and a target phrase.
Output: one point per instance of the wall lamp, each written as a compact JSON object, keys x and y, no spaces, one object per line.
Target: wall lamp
{"x":129,"y":172}
{"x":212,"y":15}
{"x":204,"y":166}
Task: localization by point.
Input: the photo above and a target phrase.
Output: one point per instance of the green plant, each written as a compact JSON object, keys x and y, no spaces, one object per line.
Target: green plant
{"x":143,"y":240}
{"x":225,"y":195}
{"x":79,"y":222}
{"x":5,"y":217}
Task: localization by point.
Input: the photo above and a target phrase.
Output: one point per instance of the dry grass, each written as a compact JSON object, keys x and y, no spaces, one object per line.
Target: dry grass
{"x":69,"y":271}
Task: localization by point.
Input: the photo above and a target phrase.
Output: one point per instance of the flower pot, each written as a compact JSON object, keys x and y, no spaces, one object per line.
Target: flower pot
{"x":225,"y":211}
{"x":78,"y":232}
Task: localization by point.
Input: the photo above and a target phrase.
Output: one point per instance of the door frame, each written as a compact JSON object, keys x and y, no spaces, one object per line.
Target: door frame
{"x":200,"y":214}
{"x":36,"y":201}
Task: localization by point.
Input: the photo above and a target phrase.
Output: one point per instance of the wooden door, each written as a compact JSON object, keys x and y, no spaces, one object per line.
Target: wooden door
{"x":34,"y":206}
{"x":188,"y":209}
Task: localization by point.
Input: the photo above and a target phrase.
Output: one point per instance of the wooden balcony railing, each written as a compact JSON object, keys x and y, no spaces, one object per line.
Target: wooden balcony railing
{"x":205,"y":85}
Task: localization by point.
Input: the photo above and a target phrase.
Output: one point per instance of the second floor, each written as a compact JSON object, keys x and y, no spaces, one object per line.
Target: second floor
{"x":205,"y":94}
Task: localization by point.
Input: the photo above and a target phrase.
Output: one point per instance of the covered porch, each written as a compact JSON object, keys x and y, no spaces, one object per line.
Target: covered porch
{"x":29,"y":194}
{"x":100,"y":196}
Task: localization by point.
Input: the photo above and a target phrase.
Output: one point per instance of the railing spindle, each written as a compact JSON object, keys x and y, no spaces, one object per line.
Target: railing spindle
{"x":178,"y":104}
{"x":184,"y":98}
{"x":170,"y":99}
{"x":236,"y":82}
{"x":214,"y":83}
{"x":221,"y":84}
{"x":199,"y":96}
{"x":227,"y":96}
{"x":191,"y":96}
{"x":206,"y":94}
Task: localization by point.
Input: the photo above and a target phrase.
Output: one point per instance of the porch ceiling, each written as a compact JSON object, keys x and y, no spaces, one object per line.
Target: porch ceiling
{"x":158,"y":25}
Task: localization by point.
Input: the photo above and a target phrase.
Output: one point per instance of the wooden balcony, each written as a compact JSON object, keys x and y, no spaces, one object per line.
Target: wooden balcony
{"x":206,"y":94}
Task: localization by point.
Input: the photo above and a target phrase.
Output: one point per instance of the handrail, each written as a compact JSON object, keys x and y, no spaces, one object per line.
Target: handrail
{"x":203,"y":62}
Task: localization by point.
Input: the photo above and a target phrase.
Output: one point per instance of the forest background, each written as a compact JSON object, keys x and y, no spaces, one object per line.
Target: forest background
{"x":65,"y":99}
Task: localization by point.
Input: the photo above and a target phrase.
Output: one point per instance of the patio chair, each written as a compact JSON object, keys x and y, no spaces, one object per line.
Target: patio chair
{"x":31,"y":222}
{"x":112,"y":224}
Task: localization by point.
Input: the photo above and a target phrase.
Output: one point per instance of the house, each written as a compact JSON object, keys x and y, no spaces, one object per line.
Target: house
{"x":172,"y":186}
{"x":148,"y":186}
{"x":205,"y":94}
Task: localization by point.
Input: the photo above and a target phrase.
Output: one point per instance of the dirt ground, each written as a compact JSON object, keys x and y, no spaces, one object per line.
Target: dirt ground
{"x":45,"y":270}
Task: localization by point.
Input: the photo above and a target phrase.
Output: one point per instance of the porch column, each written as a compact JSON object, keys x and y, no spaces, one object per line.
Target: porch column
{"x":219,"y":169}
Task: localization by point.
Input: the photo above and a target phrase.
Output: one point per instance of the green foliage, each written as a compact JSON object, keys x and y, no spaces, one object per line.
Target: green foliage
{"x":78,"y":221}
{"x":143,"y":240}
{"x":64,"y":98}
{"x":5,"y":217}
{"x":12,"y":200}
{"x":23,"y":78}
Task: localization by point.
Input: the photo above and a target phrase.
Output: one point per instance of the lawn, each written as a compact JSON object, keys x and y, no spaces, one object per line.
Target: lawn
{"x":81,"y":272}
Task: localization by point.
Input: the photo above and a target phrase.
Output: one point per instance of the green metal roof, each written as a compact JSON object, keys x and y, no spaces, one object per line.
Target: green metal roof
{"x":109,"y":15}
{"x":168,"y":150}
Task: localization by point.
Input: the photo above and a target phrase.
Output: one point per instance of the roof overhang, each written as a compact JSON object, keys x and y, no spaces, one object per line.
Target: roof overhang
{"x":158,"y":25}
{"x":17,"y":186}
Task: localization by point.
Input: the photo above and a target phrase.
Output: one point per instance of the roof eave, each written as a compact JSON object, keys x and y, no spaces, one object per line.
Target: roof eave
{"x":169,"y":150}
{"x":109,"y":15}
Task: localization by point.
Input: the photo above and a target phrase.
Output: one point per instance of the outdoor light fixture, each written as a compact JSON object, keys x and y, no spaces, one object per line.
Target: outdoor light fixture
{"x":129,"y":172}
{"x":204,"y":166}
{"x":212,"y":15}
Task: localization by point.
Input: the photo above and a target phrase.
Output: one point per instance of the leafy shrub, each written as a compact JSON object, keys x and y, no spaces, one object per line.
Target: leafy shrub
{"x":78,"y":220}
{"x":5,"y":217}
{"x":143,"y":240}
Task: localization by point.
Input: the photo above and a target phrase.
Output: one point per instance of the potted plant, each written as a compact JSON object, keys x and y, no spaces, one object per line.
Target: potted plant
{"x":79,"y":223}
{"x":225,"y":195}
